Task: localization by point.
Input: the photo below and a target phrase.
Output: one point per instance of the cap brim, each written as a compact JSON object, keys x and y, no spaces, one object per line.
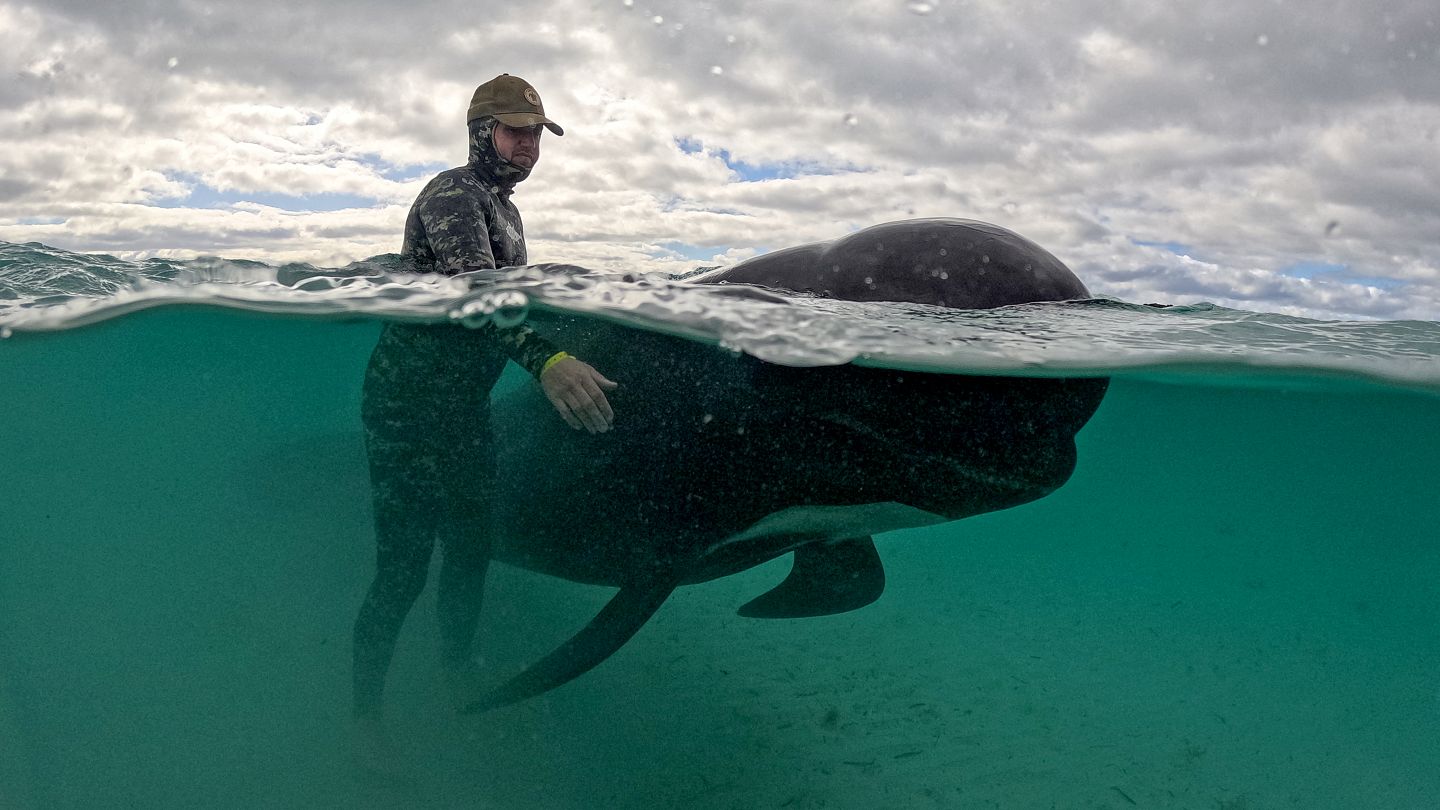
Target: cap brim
{"x":528,"y":120}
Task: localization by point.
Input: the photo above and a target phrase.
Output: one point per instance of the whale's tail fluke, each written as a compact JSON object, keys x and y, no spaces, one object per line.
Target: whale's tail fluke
{"x":616,"y":623}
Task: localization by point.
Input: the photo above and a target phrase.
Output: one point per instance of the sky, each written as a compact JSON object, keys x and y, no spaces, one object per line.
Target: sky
{"x":1268,"y":155}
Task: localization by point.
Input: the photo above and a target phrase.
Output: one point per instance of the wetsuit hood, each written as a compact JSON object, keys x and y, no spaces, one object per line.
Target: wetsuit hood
{"x":487,"y":163}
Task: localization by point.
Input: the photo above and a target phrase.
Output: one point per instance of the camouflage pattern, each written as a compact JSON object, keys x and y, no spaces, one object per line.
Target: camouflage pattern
{"x":464,"y":220}
{"x":426,"y":414}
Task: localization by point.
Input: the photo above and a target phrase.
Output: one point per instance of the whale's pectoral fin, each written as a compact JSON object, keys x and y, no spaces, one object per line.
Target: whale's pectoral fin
{"x":827,"y":578}
{"x":620,"y":619}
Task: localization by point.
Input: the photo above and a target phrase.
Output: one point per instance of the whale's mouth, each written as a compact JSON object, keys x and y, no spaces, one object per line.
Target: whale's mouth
{"x":953,"y":445}
{"x":943,"y":460}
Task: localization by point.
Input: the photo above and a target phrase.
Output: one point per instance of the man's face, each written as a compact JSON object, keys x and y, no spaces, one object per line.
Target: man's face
{"x":518,"y":145}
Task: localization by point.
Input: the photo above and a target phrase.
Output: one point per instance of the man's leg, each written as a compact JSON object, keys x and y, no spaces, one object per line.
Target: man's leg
{"x":401,"y":407}
{"x":405,"y":539}
{"x":467,"y":537}
{"x":406,"y":518}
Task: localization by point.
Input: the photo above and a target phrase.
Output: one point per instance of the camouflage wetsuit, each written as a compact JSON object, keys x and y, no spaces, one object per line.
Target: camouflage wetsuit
{"x":427,"y":422}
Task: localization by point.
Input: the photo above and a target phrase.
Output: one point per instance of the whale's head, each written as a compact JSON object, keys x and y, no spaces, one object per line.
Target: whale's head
{"x":953,"y":445}
{"x":956,"y":263}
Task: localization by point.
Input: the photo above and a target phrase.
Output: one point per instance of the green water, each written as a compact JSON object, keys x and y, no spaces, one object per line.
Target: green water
{"x":1233,"y":604}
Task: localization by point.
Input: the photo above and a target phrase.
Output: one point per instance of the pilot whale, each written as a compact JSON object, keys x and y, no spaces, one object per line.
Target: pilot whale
{"x":718,"y":461}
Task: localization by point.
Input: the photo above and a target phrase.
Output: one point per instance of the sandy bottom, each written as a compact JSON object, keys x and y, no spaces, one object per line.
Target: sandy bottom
{"x":1002,"y":668}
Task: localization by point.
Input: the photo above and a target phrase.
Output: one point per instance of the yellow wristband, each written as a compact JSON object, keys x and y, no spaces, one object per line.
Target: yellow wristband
{"x":554,"y":358}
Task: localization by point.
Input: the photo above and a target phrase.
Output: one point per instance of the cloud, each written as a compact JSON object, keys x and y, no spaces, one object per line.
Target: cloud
{"x":1261,"y":137}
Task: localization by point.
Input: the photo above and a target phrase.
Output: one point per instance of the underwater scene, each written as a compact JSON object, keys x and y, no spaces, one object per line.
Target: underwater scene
{"x":1226,"y":595}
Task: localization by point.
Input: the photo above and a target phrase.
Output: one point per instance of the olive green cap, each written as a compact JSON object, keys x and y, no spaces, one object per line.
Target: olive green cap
{"x":511,"y":101}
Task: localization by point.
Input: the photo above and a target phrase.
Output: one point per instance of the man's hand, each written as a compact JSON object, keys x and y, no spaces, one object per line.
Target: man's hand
{"x":577,"y":391}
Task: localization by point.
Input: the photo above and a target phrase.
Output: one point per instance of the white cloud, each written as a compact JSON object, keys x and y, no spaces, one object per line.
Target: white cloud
{"x":1261,"y":138}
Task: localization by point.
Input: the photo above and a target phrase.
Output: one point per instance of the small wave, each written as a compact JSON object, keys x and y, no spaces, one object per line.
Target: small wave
{"x":46,"y":289}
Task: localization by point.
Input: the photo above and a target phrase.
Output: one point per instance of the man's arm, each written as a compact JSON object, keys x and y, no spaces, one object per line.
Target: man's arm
{"x":458,"y":231}
{"x":457,"y":227}
{"x":573,"y":386}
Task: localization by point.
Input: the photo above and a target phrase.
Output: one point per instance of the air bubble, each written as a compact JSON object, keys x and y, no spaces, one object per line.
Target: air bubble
{"x":716,"y":70}
{"x":919,"y":7}
{"x":1262,"y":40}
{"x":172,"y":62}
{"x":510,"y":314}
{"x":658,"y":20}
{"x":504,"y":309}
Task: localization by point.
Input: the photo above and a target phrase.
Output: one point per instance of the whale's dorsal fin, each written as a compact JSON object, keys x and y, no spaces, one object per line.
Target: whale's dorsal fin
{"x":826,"y":578}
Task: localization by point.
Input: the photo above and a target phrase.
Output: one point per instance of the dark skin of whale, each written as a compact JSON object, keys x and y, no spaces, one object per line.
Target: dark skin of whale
{"x":718,"y":461}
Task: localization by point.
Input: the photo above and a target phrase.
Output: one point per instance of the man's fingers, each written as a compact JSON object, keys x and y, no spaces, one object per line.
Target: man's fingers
{"x":570,"y":418}
{"x":597,"y":421}
{"x":564,"y":410}
{"x":586,"y":411}
{"x":569,"y":405}
{"x":578,"y":393}
{"x":601,"y":403}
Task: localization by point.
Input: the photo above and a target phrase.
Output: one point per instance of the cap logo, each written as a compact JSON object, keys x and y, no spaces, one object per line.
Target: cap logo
{"x":532,"y":96}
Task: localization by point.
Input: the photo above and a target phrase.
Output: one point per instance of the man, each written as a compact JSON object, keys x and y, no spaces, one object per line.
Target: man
{"x":425,"y":406}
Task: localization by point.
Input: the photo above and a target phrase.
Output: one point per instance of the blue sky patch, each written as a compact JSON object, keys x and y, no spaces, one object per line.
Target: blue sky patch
{"x":401,"y":172}
{"x":1386,"y":284}
{"x":1174,"y":247}
{"x":1312,"y":269}
{"x":1337,"y":274}
{"x":692,"y":252}
{"x":671,"y":202}
{"x":204,"y":196}
{"x":756,"y":172}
